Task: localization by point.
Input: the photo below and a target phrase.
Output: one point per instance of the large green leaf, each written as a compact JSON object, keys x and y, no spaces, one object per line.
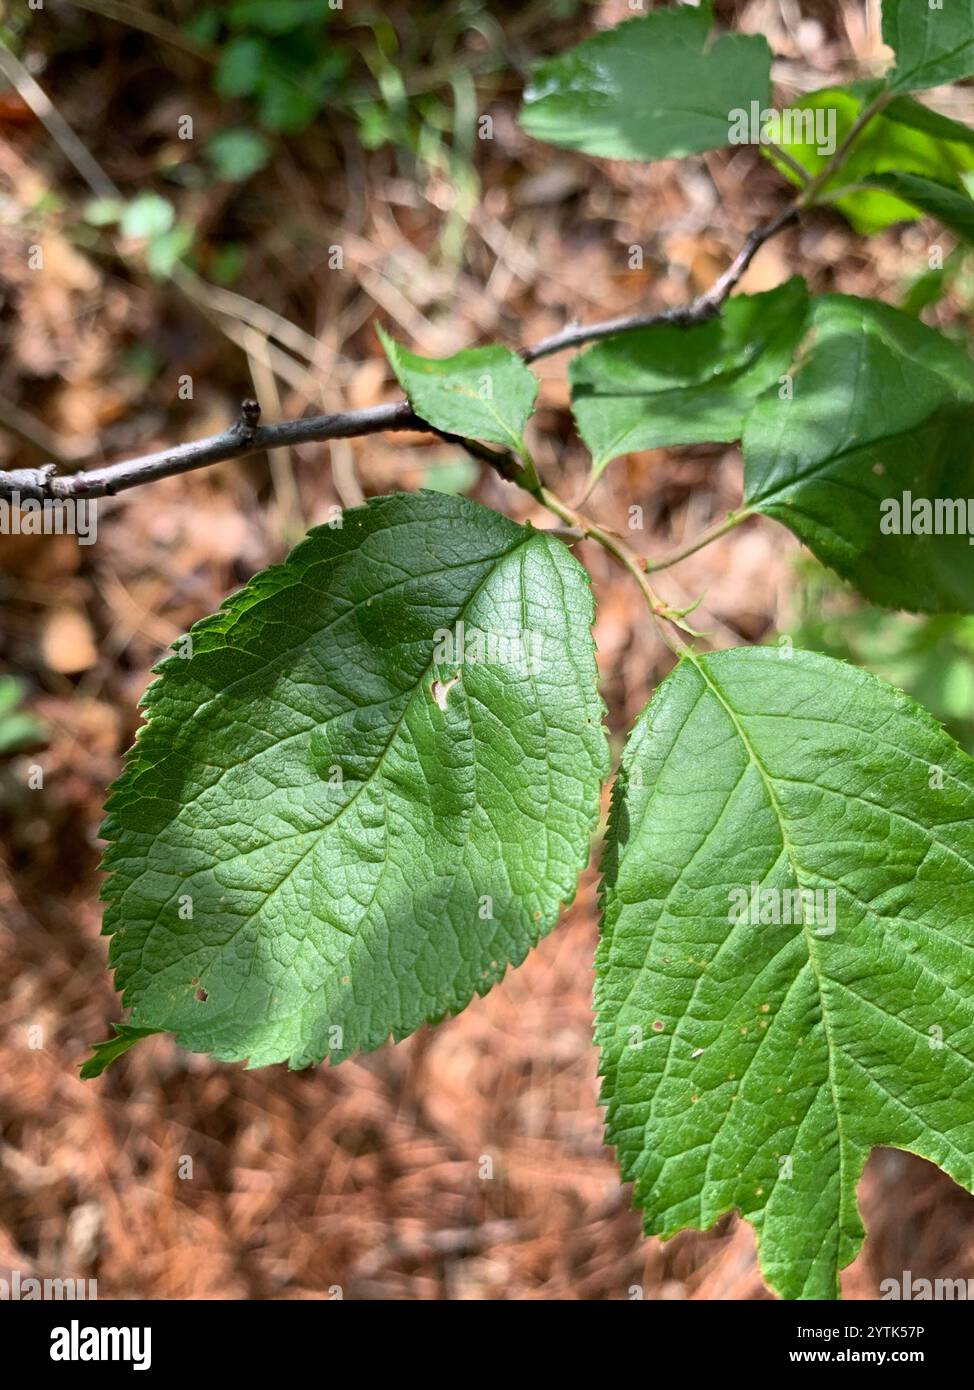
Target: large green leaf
{"x":655,"y":87}
{"x":953,"y":208}
{"x":333,"y":825}
{"x":883,"y":407}
{"x":904,"y":137}
{"x":667,"y":385}
{"x":480,"y":393}
{"x":752,"y":1059}
{"x":933,"y":43}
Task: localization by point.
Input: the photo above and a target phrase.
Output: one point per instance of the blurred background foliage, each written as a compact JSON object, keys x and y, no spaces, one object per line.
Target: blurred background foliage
{"x":932,"y":658}
{"x":410,"y":77}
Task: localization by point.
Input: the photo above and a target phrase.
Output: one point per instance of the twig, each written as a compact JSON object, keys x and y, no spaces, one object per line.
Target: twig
{"x":810,"y":192}
{"x":243,"y":437}
{"x":233,"y":443}
{"x":704,"y":537}
{"x":44,"y":483}
{"x":630,"y":559}
{"x":706,"y":306}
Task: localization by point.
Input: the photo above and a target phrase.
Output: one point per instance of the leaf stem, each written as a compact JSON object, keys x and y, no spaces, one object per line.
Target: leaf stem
{"x":799,"y":170}
{"x":635,"y":563}
{"x":700,"y":310}
{"x":705,"y":537}
{"x":809,"y":195}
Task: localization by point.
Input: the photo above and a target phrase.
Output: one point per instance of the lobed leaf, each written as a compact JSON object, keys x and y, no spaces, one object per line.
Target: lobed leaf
{"x":347,"y":814}
{"x":654,"y":87}
{"x":753,"y":1054}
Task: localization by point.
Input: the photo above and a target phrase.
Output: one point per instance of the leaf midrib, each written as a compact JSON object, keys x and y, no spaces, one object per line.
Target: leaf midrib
{"x":768,"y":783}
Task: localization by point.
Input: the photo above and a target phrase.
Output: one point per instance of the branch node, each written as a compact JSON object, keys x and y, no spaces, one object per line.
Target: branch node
{"x":248,"y":420}
{"x":36,"y":484}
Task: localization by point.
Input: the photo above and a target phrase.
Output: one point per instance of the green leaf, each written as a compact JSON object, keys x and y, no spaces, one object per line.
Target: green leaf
{"x":278,"y":16}
{"x":752,"y":1065}
{"x":879,"y":429}
{"x":242,"y":63}
{"x":147,"y":217}
{"x":338,"y":820}
{"x":953,"y":208}
{"x":238,"y":153}
{"x":904,"y":137}
{"x":103,"y":1054}
{"x":285,"y":105}
{"x":655,"y":87}
{"x":165,"y":251}
{"x":667,"y":385}
{"x":932,"y":45}
{"x":909,"y":112}
{"x":480,"y":393}
{"x":17,"y":727}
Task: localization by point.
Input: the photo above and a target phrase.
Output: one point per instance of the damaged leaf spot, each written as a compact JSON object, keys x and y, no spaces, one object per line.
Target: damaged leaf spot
{"x":440,"y":691}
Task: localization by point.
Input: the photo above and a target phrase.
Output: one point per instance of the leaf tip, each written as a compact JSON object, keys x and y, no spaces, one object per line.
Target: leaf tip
{"x":103,"y":1054}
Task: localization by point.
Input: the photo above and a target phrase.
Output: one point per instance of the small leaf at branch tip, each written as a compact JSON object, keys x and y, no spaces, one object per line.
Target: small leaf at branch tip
{"x":484,"y":393}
